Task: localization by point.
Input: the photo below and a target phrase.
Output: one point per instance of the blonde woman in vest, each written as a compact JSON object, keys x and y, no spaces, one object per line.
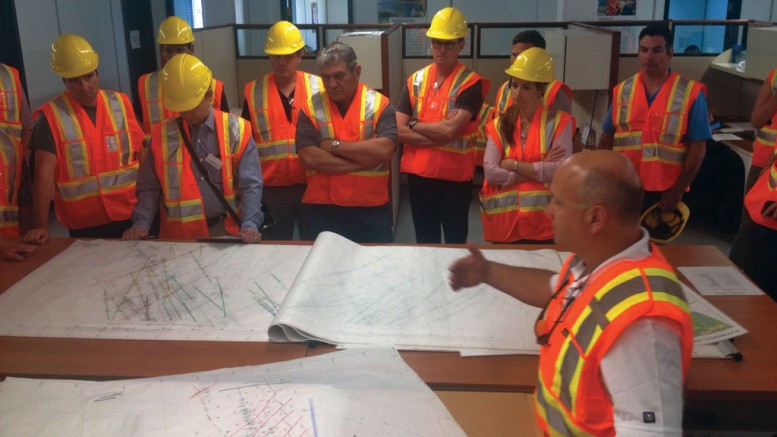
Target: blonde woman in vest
{"x":615,"y":334}
{"x":525,"y":146}
{"x":86,"y":142}
{"x":272,"y":105}
{"x":558,"y":95}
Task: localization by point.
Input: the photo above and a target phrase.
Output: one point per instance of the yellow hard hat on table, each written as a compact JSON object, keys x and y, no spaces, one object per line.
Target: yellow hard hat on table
{"x":73,"y":56}
{"x":665,"y":226}
{"x":533,"y":65}
{"x":283,"y":38}
{"x":174,"y":30}
{"x":185,"y":81}
{"x":448,"y":23}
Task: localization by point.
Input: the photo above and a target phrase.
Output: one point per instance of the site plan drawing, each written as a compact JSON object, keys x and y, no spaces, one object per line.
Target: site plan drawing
{"x":347,"y":393}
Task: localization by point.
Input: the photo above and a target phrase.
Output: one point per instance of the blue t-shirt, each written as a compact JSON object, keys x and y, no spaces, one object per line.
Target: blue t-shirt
{"x":698,"y":121}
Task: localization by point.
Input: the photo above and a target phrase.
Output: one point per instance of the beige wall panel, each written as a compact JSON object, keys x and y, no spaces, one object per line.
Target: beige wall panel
{"x":216,"y":48}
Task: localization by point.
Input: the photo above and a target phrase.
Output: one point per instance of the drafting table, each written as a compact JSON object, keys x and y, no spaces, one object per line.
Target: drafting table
{"x":739,"y":388}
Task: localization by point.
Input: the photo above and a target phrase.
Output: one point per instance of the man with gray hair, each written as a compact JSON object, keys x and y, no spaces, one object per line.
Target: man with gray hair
{"x":346,"y":137}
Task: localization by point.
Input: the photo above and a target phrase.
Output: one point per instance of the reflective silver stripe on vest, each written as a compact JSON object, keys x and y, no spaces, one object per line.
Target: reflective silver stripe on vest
{"x":418,"y":80}
{"x":554,"y":418}
{"x":11,"y":157}
{"x":274,"y":149}
{"x":766,"y":135}
{"x":632,"y":140}
{"x":118,"y":109}
{"x":623,"y":111}
{"x":173,"y":171}
{"x":233,"y":145}
{"x":260,"y":106}
{"x":454,"y":92}
{"x":14,"y":128}
{"x":78,"y":190}
{"x":154,"y":99}
{"x":668,"y":136}
{"x":773,"y":178}
{"x":8,"y":216}
{"x":368,"y":123}
{"x":597,"y":319}
{"x":529,"y":200}
{"x":74,"y":143}
{"x":118,"y":180}
{"x":499,"y":202}
{"x":653,"y":151}
{"x":177,"y":210}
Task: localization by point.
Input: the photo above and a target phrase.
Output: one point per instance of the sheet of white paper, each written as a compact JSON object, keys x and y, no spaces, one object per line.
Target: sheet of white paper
{"x":350,"y":294}
{"x":360,"y":392}
{"x":725,"y":137}
{"x":153,"y":290}
{"x":739,"y":126}
{"x":719,"y":281}
{"x":710,"y":325}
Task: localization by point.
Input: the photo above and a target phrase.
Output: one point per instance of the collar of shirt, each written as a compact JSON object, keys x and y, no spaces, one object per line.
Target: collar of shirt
{"x":640,"y":249}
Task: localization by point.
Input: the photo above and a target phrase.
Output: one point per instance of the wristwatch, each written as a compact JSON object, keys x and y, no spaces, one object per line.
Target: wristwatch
{"x":335,"y":145}
{"x":412,"y":123}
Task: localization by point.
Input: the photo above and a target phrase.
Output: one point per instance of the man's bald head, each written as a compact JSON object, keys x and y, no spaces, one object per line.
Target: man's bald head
{"x":607,"y":178}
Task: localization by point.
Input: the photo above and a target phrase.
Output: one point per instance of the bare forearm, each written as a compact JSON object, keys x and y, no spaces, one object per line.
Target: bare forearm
{"x":317,"y":159}
{"x":693,"y":160}
{"x":368,"y":153}
{"x":530,"y":286}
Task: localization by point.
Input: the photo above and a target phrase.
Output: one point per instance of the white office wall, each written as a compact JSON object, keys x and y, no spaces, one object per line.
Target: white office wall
{"x":218,"y":12}
{"x":337,"y":11}
{"x":760,"y":10}
{"x":42,"y":21}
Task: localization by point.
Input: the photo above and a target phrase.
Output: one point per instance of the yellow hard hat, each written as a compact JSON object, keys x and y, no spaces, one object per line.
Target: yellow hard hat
{"x":73,"y":56}
{"x":448,"y":23}
{"x":185,"y":80}
{"x":283,"y":38}
{"x":665,"y":226}
{"x":534,"y":65}
{"x":174,"y":30}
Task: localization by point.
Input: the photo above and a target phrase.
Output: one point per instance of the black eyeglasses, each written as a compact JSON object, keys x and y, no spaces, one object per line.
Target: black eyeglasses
{"x":541,"y":329}
{"x":448,"y":45}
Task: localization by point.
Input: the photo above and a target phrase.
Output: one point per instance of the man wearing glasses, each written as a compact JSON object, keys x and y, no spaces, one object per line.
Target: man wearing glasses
{"x":615,"y":333}
{"x":437,"y":120}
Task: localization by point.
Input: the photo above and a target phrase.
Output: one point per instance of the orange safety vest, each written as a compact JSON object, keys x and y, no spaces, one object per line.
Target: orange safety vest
{"x":97,"y":165}
{"x":183,"y":213}
{"x":571,"y":397}
{"x":763,"y":191}
{"x":362,"y":188}
{"x":11,"y":158}
{"x":273,"y":132}
{"x":518,"y":212}
{"x":10,"y":102}
{"x":486,"y":114}
{"x":763,"y":146}
{"x":652,"y":136}
{"x":454,"y":161}
{"x":503,"y":100}
{"x":152,"y":97}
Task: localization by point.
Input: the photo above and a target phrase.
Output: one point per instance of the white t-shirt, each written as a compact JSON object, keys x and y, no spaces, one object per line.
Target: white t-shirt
{"x":643,"y":369}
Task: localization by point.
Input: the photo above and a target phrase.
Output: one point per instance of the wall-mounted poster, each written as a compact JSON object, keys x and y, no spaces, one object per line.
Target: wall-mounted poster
{"x":613,"y":8}
{"x":401,"y":11}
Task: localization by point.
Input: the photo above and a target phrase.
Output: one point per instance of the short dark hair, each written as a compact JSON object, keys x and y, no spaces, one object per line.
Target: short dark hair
{"x":529,"y":37}
{"x":337,"y":51}
{"x":658,"y":30}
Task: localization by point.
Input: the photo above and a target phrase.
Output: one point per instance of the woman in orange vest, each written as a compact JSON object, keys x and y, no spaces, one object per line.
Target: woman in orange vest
{"x":525,"y":146}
